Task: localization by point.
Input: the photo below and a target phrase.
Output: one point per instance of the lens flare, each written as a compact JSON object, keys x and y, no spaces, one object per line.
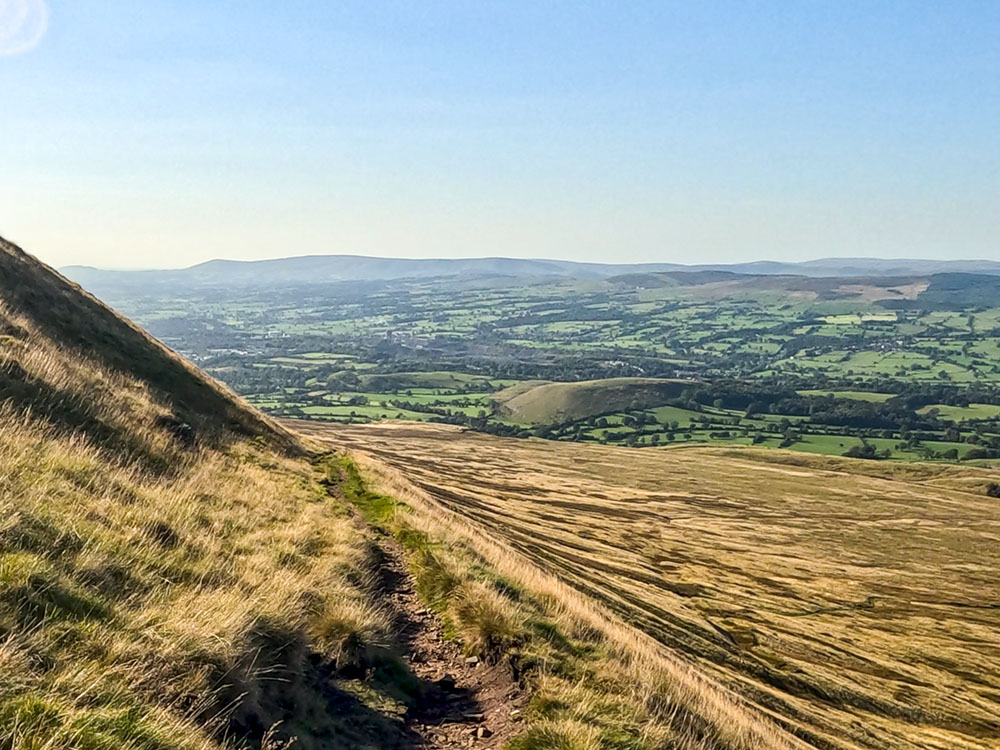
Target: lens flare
{"x":22,"y":25}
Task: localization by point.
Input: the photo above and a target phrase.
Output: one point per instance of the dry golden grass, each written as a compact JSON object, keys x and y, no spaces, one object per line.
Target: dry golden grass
{"x":549,"y":403}
{"x":156,"y":594}
{"x":854,"y":603}
{"x":598,"y":682}
{"x":73,"y":321}
{"x":147,"y":604}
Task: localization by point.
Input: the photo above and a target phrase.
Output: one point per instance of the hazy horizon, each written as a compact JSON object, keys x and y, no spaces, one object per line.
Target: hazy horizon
{"x":177,"y":132}
{"x":608,"y":262}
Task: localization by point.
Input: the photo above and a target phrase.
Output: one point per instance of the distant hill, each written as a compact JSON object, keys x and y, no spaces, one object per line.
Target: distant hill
{"x":332,"y":268}
{"x":551,"y":403}
{"x":948,"y":291}
{"x":895,"y":290}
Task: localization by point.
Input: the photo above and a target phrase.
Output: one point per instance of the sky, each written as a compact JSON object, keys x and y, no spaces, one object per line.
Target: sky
{"x":163,"y":133}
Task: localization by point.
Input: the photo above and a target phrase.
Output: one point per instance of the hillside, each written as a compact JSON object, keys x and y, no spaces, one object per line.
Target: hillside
{"x":71,"y":320}
{"x":177,"y":574}
{"x":552,"y":403}
{"x":332,"y":268}
{"x":171,"y":575}
{"x":717,"y":285}
{"x":853,"y":602}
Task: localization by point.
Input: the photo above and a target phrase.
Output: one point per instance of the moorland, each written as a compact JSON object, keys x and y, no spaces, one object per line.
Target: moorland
{"x":854,"y":602}
{"x":179,"y":570}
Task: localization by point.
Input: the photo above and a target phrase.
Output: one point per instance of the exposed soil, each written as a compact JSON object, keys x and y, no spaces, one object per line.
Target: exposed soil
{"x":468,"y":703}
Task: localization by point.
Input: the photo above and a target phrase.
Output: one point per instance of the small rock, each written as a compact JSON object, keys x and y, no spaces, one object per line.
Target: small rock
{"x":472,"y":661}
{"x":515,"y":713}
{"x":482,"y":733}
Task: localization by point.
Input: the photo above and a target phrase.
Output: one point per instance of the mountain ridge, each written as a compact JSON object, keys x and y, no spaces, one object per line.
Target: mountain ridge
{"x":334,"y":268}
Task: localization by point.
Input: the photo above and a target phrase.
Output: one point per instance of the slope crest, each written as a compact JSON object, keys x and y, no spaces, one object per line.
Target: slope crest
{"x":48,"y":323}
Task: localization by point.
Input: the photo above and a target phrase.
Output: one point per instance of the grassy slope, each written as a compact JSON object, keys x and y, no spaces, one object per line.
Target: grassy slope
{"x":877,"y":398}
{"x":960,"y":413}
{"x":154,"y":594}
{"x":597,"y":684}
{"x":560,"y":402}
{"x":852,"y":600}
{"x":72,"y":319}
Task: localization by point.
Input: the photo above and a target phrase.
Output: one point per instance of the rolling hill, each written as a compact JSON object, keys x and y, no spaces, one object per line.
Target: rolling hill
{"x":170,"y":574}
{"x":179,"y":571}
{"x":537,"y":402}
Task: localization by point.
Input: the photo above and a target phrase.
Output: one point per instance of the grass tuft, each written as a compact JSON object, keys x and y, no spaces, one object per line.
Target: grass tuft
{"x":491,"y":624}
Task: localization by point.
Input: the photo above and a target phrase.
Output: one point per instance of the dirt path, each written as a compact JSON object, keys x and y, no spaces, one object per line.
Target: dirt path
{"x":468,"y":703}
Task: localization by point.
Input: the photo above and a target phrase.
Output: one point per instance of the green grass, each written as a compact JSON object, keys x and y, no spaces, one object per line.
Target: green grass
{"x":669,"y":414}
{"x":962,"y":413}
{"x":368,"y":412}
{"x":877,"y":398}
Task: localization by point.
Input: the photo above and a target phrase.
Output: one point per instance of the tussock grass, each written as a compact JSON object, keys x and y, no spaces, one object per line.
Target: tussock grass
{"x":158,"y":611}
{"x":489,"y":621}
{"x":597,"y":683}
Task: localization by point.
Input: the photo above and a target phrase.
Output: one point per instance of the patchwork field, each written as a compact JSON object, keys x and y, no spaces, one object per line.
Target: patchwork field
{"x":857,"y":602}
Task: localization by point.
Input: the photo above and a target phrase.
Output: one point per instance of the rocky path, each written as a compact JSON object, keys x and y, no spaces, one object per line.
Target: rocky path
{"x":468,"y":703}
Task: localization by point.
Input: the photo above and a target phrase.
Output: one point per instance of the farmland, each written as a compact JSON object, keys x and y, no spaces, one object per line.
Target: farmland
{"x":847,"y":599}
{"x":905,"y":368}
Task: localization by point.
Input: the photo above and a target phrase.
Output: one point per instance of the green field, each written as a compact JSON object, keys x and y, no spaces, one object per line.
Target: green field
{"x":853,"y":395}
{"x":962,"y":413}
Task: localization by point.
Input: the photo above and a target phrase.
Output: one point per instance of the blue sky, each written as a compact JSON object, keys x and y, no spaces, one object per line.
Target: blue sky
{"x":162,"y":133}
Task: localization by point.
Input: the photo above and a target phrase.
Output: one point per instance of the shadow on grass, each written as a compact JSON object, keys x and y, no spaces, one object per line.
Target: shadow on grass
{"x":71,"y":412}
{"x":376,"y":707}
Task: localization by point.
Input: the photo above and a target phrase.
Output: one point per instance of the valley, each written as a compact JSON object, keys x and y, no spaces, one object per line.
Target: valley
{"x":903,"y":367}
{"x":499,"y":375}
{"x":417,"y":582}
